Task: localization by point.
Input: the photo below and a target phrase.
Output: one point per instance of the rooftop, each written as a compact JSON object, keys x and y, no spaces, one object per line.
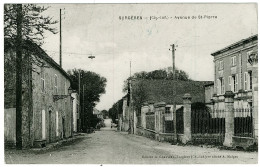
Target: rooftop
{"x":236,"y":44}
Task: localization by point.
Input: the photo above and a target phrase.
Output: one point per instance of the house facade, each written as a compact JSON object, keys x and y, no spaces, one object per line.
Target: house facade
{"x":234,"y":72}
{"x":46,"y":102}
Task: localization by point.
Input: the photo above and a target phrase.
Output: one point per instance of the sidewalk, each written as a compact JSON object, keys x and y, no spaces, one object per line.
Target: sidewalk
{"x":50,"y":146}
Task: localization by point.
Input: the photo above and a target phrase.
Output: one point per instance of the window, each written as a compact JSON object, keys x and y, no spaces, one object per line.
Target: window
{"x":56,"y":84}
{"x":230,"y":83}
{"x":233,"y":61}
{"x":222,"y":86}
{"x":221,"y":65}
{"x":236,"y":83}
{"x":42,"y":82}
{"x":250,"y":80}
{"x":167,"y":109}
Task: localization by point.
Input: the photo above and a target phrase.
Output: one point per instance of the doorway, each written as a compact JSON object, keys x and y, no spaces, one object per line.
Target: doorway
{"x":50,"y":136}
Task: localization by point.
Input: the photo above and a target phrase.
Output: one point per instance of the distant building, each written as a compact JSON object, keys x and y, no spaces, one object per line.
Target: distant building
{"x":234,"y":72}
{"x":98,"y":113}
{"x":47,"y":104}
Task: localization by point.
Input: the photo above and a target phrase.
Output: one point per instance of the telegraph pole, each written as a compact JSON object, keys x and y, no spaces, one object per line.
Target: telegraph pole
{"x":174,"y":94}
{"x":83,"y":108}
{"x":19,"y":49}
{"x":80,"y":126}
{"x":60,"y":42}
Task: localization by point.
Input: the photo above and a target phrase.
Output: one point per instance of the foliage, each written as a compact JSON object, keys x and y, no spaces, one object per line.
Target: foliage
{"x":105,"y":113}
{"x":166,"y":74}
{"x":34,"y":23}
{"x":116,"y":109}
{"x":139,"y":96}
{"x":93,"y":85}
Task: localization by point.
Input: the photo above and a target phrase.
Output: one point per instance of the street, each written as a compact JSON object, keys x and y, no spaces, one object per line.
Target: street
{"x":111,"y":147}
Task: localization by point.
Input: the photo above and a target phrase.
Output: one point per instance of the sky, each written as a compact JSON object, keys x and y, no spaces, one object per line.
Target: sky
{"x":96,"y":29}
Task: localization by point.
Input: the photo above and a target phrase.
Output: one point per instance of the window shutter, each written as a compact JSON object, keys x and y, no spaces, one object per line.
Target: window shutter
{"x":223,"y":84}
{"x":229,"y":82}
{"x":245,"y":81}
{"x":236,"y":83}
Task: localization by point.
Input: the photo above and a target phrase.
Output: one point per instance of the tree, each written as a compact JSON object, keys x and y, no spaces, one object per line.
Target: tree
{"x":104,"y":113}
{"x":116,"y":109}
{"x":34,"y":23}
{"x":93,"y":86}
{"x":165,"y":73}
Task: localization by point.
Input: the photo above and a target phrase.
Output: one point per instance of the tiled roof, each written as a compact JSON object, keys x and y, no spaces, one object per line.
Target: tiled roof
{"x":236,"y":44}
{"x":163,"y":90}
{"x":37,"y":50}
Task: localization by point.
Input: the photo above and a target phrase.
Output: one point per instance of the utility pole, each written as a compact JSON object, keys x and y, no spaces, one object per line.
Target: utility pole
{"x":60,"y":42}
{"x":83,"y":108}
{"x":174,"y":93}
{"x":19,"y":49}
{"x":80,"y":126}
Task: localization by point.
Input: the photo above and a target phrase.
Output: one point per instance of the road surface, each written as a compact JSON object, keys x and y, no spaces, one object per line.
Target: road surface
{"x":111,"y":147}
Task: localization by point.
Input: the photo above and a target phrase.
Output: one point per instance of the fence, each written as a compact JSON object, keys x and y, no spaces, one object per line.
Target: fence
{"x":243,"y":122}
{"x":202,"y":121}
{"x":150,"y":122}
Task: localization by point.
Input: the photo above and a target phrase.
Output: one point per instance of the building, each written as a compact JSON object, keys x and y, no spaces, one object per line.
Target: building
{"x":234,"y":72}
{"x":98,"y":113}
{"x":46,"y":101}
{"x":76,"y":112}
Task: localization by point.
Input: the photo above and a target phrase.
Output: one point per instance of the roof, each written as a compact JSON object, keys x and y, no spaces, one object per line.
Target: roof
{"x":236,"y":44}
{"x":34,"y":48}
{"x":163,"y":90}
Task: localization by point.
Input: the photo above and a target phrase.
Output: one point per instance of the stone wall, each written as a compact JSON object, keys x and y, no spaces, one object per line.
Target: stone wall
{"x":43,"y":100}
{"x":35,"y":100}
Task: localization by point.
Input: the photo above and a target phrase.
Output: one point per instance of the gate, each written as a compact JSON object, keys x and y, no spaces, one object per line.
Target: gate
{"x":208,"y":127}
{"x":243,"y":122}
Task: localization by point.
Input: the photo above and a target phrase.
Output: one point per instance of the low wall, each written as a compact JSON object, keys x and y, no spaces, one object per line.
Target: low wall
{"x":10,"y":126}
{"x":146,"y":132}
{"x":168,"y":137}
{"x":208,"y":138}
{"x":244,"y":142}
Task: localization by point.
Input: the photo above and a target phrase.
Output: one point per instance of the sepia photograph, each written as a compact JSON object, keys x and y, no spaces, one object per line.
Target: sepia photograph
{"x":130,"y":83}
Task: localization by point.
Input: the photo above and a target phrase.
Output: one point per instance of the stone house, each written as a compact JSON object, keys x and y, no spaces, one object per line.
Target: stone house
{"x":46,"y":101}
{"x":234,"y":72}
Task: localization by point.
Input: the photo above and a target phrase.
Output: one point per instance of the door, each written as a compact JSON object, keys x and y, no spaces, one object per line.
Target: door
{"x":63,"y":127}
{"x":43,"y":125}
{"x":50,"y":136}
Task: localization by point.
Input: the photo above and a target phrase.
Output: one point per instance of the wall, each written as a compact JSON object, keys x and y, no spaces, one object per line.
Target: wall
{"x":10,"y":93}
{"x":241,"y":67}
{"x":9,"y":126}
{"x":125,"y":117}
{"x":75,"y":111}
{"x":44,"y":101}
